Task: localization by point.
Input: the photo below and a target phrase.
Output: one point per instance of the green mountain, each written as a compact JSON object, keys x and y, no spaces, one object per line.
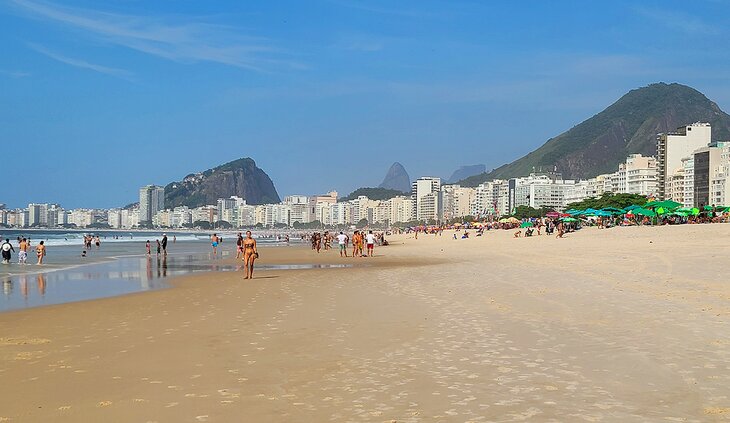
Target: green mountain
{"x":628,"y":126}
{"x":374,"y":194}
{"x":240,"y":177}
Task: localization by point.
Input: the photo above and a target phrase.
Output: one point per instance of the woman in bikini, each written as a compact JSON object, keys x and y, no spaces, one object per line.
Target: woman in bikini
{"x":250,"y":254}
{"x":40,"y":251}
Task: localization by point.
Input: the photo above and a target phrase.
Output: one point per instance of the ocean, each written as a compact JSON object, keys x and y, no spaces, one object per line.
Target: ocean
{"x":119,"y":266}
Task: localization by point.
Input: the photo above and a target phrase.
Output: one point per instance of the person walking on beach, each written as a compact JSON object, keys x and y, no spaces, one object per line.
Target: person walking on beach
{"x":371,"y":243}
{"x":149,"y":248}
{"x":164,"y":244}
{"x":355,"y":241}
{"x":23,"y":251}
{"x":40,"y":251}
{"x":239,"y":246}
{"x":250,"y":254}
{"x":214,"y":243}
{"x":342,"y":242}
{"x":159,"y":247}
{"x":6,"y":249}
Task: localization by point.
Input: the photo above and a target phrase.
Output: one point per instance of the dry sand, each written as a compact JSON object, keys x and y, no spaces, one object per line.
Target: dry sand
{"x":619,"y":325}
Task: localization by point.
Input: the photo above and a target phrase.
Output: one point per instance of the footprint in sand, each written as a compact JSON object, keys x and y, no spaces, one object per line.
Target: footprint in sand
{"x":64,"y":408}
{"x":23,"y":341}
{"x":202,"y":418}
{"x":139,"y":400}
{"x":104,"y":404}
{"x":717,"y":411}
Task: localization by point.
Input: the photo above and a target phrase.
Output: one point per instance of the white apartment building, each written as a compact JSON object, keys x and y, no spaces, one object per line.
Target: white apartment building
{"x":114,"y":218}
{"x":539,"y":190}
{"x":638,"y":175}
{"x":81,"y":217}
{"x":491,"y":199}
{"x":673,"y":147}
{"x":400,"y":209}
{"x":425,"y":195}
{"x":456,"y":201}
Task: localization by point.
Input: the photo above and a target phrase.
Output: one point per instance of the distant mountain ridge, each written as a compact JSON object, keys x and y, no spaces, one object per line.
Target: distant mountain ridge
{"x":240,"y":178}
{"x":397,"y":179}
{"x":628,"y":126}
{"x":464,"y":172}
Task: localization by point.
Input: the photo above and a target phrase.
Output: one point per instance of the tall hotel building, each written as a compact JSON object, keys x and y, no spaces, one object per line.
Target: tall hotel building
{"x":674,"y":146}
{"x":151,"y":200}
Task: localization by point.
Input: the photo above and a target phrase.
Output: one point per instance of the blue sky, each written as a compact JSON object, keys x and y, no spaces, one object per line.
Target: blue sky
{"x":100,"y":97}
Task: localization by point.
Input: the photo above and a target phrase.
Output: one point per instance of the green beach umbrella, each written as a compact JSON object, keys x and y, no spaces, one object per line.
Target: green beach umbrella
{"x":644,"y":212}
{"x":569,"y":219}
{"x":666,"y":204}
{"x":526,"y":225}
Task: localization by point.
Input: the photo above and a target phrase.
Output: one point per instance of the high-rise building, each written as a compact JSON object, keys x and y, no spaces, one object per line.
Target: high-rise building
{"x":706,"y":162}
{"x":37,"y":215}
{"x":151,"y":200}
{"x":674,"y":146}
{"x":425,"y":196}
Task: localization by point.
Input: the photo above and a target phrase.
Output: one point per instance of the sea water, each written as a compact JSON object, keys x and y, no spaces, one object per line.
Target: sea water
{"x":119,"y":266}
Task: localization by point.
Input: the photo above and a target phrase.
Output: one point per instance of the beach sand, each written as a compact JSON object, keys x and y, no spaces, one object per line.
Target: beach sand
{"x":619,"y":325}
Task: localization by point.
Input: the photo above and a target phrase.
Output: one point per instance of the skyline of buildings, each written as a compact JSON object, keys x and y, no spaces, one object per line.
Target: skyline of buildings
{"x":689,"y":168}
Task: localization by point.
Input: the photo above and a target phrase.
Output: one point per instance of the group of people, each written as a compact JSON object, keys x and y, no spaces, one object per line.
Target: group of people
{"x":161,"y":246}
{"x":359,"y":240}
{"x":24,"y":247}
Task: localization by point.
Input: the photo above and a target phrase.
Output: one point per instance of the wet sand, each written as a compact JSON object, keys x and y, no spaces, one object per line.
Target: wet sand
{"x":624,"y":325}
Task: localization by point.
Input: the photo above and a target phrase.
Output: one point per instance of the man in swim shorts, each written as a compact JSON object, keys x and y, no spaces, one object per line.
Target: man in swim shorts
{"x":214,"y":243}
{"x":342,"y":242}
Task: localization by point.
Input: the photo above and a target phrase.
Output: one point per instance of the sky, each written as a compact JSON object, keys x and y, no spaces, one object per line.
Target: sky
{"x":98,"y":98}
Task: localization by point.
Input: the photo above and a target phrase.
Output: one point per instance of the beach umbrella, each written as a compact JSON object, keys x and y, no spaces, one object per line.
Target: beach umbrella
{"x":503,"y":220}
{"x":552,"y":214}
{"x":631,"y":207}
{"x":612,"y":210}
{"x":513,"y":220}
{"x":666,"y":204}
{"x":569,"y":219}
{"x":601,"y":213}
{"x":526,"y":225}
{"x":644,"y":212}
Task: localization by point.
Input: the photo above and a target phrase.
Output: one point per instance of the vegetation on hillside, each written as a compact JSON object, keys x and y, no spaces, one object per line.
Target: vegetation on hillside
{"x":373,"y":194}
{"x":600,"y":143}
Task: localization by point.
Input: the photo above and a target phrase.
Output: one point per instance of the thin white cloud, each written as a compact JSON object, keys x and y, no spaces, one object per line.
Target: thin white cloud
{"x":119,"y":73}
{"x":687,"y":23}
{"x":14,"y":73}
{"x":181,"y":41}
{"x":372,"y":7}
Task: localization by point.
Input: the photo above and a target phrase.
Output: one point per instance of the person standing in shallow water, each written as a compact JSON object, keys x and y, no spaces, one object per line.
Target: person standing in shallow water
{"x":40,"y":251}
{"x":214,"y":243}
{"x":250,"y":254}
